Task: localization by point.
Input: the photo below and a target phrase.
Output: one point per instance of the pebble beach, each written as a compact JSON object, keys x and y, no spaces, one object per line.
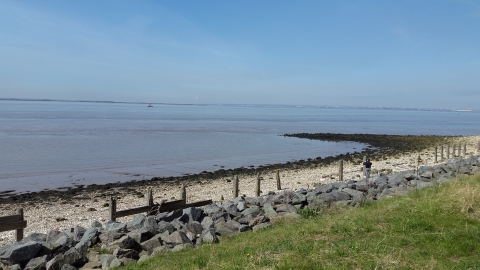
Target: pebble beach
{"x":81,"y":209}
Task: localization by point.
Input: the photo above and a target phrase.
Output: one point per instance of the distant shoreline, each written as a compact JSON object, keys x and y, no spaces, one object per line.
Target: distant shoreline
{"x":245,"y":105}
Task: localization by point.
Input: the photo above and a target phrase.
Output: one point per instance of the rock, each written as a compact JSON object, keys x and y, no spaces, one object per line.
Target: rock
{"x":126,"y":253}
{"x":136,"y":223}
{"x":165,"y":226}
{"x":353,"y":192}
{"x":286,"y":208}
{"x":443,"y":179}
{"x":36,"y":237}
{"x":151,"y":225}
{"x":269,"y":210}
{"x":126,"y":242}
{"x":126,"y":261}
{"x":324,"y":188}
{"x":97,"y":225}
{"x":250,"y":201}
{"x":225,"y":230}
{"x":241,"y":206}
{"x":38,"y":263}
{"x":73,"y":257}
{"x":159,"y":250}
{"x":108,"y":237}
{"x":409,"y":176}
{"x":231,"y":208}
{"x":257,"y":220}
{"x":68,"y":267}
{"x":194,"y":214}
{"x":339,"y":196}
{"x":109,"y":261}
{"x":177,"y":238}
{"x":78,"y":233}
{"x":195,"y":227}
{"x":261,"y":226}
{"x":421,"y":184}
{"x":141,"y":235}
{"x":252,"y":210}
{"x":172,"y":215}
{"x":211,"y":209}
{"x":93,"y":265}
{"x":210,"y":237}
{"x":21,"y":253}
{"x":113,"y":226}
{"x":298,"y":198}
{"x":90,"y":236}
{"x":151,"y":244}
{"x":144,"y":258}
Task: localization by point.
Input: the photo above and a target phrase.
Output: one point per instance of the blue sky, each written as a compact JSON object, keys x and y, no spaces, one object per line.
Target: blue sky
{"x":367,"y":53}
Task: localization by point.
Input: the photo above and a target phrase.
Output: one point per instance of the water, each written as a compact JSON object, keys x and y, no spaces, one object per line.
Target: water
{"x":63,"y":144}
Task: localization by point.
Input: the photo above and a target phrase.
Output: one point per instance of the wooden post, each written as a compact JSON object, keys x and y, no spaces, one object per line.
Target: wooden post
{"x":149,"y":197}
{"x":340,"y":170}
{"x":454,"y":150}
{"x":183,"y":193}
{"x":478,"y":146}
{"x":364,"y":166}
{"x":112,"y":208}
{"x":19,"y":232}
{"x":257,"y":187}
{"x":465,"y":149}
{"x":459,"y":149}
{"x":436,"y":155}
{"x":235,"y":186}
{"x":441,"y":150}
{"x":448,"y":151}
{"x":277,"y":176}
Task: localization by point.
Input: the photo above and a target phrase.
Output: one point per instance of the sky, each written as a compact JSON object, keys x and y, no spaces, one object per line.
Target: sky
{"x":409,"y":53}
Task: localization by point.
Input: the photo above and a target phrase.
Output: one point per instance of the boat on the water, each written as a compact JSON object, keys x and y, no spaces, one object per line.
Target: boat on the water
{"x":149,"y":105}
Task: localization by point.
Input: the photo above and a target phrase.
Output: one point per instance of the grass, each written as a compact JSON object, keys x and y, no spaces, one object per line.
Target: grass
{"x":435,"y":228}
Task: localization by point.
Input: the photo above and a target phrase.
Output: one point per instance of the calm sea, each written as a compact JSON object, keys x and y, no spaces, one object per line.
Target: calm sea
{"x":63,"y":144}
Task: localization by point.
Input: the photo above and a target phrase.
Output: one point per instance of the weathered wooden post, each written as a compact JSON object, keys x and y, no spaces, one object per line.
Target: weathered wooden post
{"x":235,"y":186}
{"x":454,"y":150}
{"x":277,"y":177}
{"x":436,"y":158}
{"x":112,"y":208}
{"x":441,"y":150}
{"x":459,"y":149}
{"x":465,"y":149}
{"x":257,"y":187}
{"x":149,"y":197}
{"x":478,"y":146}
{"x":340,"y":170}
{"x":183,"y":194}
{"x":364,"y":166}
{"x":448,"y":151}
{"x":19,"y":232}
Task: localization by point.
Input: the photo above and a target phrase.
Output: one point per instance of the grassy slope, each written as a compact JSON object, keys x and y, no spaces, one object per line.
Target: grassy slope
{"x":436,"y":228}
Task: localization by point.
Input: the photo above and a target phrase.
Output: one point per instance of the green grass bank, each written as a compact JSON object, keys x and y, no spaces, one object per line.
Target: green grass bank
{"x":434,"y":228}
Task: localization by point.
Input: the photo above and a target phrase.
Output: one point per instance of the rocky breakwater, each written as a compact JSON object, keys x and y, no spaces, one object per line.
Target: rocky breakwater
{"x":112,"y":243}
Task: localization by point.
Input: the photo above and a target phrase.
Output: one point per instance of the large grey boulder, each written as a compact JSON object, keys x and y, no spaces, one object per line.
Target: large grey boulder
{"x":269,"y":210}
{"x":113,"y":226}
{"x":261,"y":226}
{"x":252,"y":210}
{"x":20,"y":253}
{"x":225,"y":229}
{"x":165,"y":226}
{"x":109,"y":261}
{"x":177,"y":238}
{"x":126,"y":253}
{"x":136,"y":223}
{"x":194,"y":227}
{"x":90,"y":236}
{"x":126,"y":242}
{"x":151,"y":225}
{"x":108,"y":237}
{"x":298,"y":198}
{"x":38,"y":263}
{"x":194,"y":214}
{"x":211,"y":209}
{"x":210,"y":237}
{"x":78,"y":232}
{"x":151,"y":244}
{"x":324,"y":188}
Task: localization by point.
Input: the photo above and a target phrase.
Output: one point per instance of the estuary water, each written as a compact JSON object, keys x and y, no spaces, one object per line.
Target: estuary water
{"x":50,"y":145}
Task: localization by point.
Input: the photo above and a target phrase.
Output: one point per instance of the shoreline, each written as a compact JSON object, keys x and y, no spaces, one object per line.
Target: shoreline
{"x":82,"y":206}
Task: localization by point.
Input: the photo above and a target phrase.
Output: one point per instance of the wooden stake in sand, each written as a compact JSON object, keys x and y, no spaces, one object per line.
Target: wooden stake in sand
{"x":436,"y":155}
{"x":277,"y":177}
{"x":183,"y":193}
{"x":441,"y":150}
{"x":448,"y":151}
{"x":478,"y":146}
{"x":257,"y":186}
{"x":235,"y":186}
{"x":459,"y":149}
{"x":112,"y":208}
{"x":465,"y":149}
{"x":454,"y":149}
{"x":340,"y":170}
{"x":149,"y":197}
{"x":19,"y":232}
